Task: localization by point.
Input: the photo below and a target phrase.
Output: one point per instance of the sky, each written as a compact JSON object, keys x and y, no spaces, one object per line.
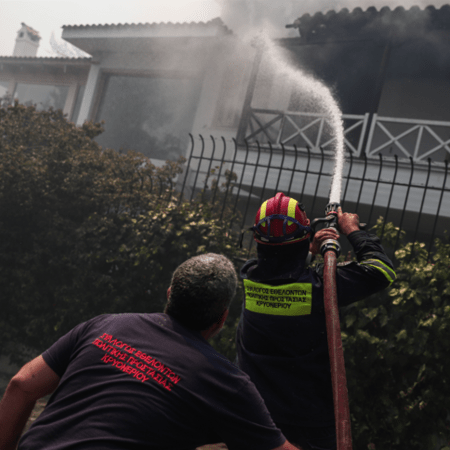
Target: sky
{"x":48,"y":16}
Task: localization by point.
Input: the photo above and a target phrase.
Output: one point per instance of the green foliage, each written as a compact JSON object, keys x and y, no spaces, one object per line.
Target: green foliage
{"x":87,"y":231}
{"x":396,"y":351}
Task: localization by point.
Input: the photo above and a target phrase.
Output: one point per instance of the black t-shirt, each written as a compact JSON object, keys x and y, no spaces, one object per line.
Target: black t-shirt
{"x":144,"y":381}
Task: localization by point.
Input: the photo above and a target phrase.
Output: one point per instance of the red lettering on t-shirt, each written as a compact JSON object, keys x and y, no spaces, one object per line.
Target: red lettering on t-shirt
{"x":118,"y":354}
{"x":133,"y":366}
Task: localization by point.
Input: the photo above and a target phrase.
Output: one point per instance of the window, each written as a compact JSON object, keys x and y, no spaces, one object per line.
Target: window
{"x":152,"y":115}
{"x":43,"y":96}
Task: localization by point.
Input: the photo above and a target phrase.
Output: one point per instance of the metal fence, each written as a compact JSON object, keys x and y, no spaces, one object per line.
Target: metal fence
{"x":413,"y":196}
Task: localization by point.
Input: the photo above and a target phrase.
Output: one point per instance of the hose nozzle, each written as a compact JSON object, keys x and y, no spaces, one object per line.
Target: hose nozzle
{"x":332,"y":208}
{"x":331,"y":213}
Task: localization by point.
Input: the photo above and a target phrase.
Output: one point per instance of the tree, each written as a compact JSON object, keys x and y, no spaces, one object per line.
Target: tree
{"x":85,"y":230}
{"x":396,"y":352}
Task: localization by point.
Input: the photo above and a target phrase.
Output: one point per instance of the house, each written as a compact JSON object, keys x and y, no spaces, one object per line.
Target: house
{"x":389,"y":72}
{"x":153,"y":84}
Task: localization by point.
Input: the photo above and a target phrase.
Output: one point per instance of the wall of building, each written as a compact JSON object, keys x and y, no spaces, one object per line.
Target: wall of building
{"x":224,"y":88}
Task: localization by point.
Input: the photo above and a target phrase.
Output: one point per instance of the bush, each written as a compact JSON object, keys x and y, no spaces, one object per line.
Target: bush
{"x":396,"y":352}
{"x":85,"y":230}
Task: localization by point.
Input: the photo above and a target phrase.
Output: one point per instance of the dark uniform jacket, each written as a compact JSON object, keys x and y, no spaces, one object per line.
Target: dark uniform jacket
{"x":282,"y":337}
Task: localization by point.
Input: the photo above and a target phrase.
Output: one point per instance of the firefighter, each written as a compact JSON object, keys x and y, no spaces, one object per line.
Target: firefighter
{"x":281,"y":338}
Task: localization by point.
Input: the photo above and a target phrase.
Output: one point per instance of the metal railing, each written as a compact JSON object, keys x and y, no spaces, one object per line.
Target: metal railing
{"x":401,"y":137}
{"x":415,"y":197}
{"x":303,"y":130}
{"x":419,"y":139}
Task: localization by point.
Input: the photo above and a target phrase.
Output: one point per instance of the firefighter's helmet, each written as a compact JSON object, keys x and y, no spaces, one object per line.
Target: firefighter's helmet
{"x":281,"y":220}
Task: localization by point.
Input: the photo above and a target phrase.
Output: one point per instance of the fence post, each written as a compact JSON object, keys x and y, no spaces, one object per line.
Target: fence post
{"x":362,"y":183}
{"x":405,"y":203}
{"x":423,"y":201}
{"x":318,"y":179}
{"x":198,"y":168}
{"x":390,"y":195}
{"x":188,"y":165}
{"x":348,"y":180}
{"x":439,"y":208}
{"x":253,"y":183}
{"x":376,"y":188}
{"x":293,"y":171}
{"x":228,"y":183}
{"x":220,"y":169}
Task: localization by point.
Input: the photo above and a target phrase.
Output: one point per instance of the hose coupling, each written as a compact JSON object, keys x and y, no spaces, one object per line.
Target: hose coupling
{"x":330,"y":244}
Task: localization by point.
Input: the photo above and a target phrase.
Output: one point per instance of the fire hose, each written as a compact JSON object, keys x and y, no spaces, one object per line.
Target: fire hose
{"x":330,"y":249}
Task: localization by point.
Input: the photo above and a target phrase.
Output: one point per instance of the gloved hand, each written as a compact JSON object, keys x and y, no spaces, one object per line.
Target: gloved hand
{"x":347,"y":223}
{"x":320,"y":236}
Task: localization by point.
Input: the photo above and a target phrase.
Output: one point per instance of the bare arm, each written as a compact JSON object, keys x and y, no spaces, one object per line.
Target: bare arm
{"x":33,"y":381}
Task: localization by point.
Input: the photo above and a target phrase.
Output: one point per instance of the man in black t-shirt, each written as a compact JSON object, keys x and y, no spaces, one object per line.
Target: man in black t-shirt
{"x":144,"y":381}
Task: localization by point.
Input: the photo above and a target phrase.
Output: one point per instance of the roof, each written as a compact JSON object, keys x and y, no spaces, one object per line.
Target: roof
{"x":40,"y":59}
{"x":217,"y":23}
{"x":95,"y":39}
{"x":12,"y":64}
{"x":357,"y":24}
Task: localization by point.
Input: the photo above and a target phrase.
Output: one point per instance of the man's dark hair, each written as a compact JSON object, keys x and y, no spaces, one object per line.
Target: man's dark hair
{"x":201,"y":290}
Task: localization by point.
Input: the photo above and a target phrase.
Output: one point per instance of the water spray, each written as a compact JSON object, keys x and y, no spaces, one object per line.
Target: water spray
{"x":317,"y":96}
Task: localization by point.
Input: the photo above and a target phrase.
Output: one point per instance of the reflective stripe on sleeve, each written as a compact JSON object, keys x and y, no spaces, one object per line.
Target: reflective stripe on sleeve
{"x":383,"y":268}
{"x":287,"y":300}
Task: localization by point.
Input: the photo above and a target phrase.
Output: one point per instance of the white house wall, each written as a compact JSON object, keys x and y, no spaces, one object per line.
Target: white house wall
{"x":89,"y":94}
{"x":225,"y":82}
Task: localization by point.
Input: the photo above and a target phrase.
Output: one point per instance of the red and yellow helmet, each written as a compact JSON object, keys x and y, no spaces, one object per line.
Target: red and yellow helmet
{"x":281,"y":220}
